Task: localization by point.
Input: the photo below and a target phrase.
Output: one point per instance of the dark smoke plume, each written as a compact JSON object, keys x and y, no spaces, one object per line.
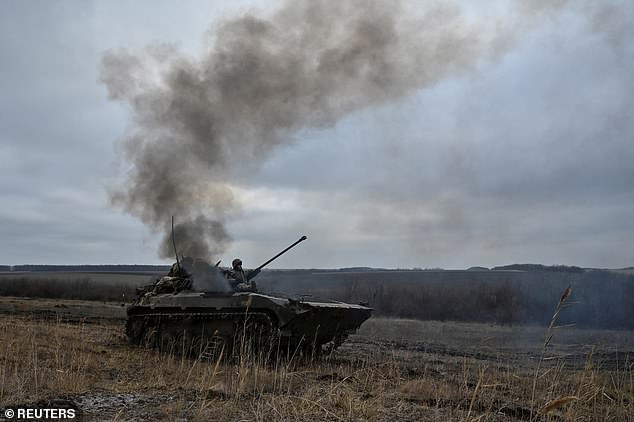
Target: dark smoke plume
{"x":200,"y":123}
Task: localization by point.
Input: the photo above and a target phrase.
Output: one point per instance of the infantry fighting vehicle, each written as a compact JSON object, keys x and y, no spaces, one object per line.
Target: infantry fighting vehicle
{"x":176,"y":315}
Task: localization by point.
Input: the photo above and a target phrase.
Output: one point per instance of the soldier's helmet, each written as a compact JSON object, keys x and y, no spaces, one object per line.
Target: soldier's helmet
{"x":236,"y":262}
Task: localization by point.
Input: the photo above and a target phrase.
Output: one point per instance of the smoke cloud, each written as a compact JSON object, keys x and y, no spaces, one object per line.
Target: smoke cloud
{"x":200,"y":124}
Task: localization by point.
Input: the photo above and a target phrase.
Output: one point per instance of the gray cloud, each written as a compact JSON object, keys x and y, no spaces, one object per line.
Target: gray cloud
{"x":532,"y":163}
{"x":309,"y":65}
{"x":196,"y":121}
{"x":511,"y":140}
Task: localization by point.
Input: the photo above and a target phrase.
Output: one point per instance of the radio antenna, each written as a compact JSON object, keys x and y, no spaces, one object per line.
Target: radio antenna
{"x":174,"y":243}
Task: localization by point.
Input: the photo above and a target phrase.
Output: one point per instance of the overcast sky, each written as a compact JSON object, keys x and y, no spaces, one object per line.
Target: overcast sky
{"x":526,"y":154}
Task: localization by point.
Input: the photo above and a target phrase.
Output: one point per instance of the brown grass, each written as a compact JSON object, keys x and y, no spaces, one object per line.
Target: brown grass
{"x":372,"y":378}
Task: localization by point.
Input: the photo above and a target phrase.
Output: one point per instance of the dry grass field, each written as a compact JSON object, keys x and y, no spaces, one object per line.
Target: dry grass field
{"x":74,"y":354}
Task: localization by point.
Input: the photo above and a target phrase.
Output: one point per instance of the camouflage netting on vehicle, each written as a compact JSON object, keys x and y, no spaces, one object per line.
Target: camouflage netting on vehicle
{"x":169,"y":284}
{"x":177,"y":279}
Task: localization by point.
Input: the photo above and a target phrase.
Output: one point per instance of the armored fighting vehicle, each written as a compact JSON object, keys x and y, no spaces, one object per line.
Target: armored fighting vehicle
{"x":177,"y":315}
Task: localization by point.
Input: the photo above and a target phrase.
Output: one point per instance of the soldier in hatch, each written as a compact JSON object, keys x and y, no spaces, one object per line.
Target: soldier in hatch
{"x":182,"y":269}
{"x":240,"y":280}
{"x":178,"y":278}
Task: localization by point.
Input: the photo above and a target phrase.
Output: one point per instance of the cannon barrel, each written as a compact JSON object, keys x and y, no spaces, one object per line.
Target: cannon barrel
{"x":301,"y":239}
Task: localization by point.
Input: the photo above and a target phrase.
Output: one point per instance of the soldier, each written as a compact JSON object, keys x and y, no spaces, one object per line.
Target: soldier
{"x":178,"y":277}
{"x":239,"y":279}
{"x":182,"y":270}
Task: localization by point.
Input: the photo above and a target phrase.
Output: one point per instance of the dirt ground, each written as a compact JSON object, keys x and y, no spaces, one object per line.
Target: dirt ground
{"x":74,"y":355}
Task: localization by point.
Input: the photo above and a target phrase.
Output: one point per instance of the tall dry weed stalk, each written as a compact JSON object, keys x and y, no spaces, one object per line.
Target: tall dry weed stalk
{"x":548,"y":337}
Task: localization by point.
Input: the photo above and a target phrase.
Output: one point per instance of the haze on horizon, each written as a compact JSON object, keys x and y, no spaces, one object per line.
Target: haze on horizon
{"x":522,"y":153}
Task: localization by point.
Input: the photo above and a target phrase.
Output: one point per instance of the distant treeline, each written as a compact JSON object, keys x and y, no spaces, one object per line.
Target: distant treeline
{"x":86,"y":268}
{"x":601,"y":299}
{"x":82,"y":288}
{"x":163,"y":268}
{"x":539,"y":267}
